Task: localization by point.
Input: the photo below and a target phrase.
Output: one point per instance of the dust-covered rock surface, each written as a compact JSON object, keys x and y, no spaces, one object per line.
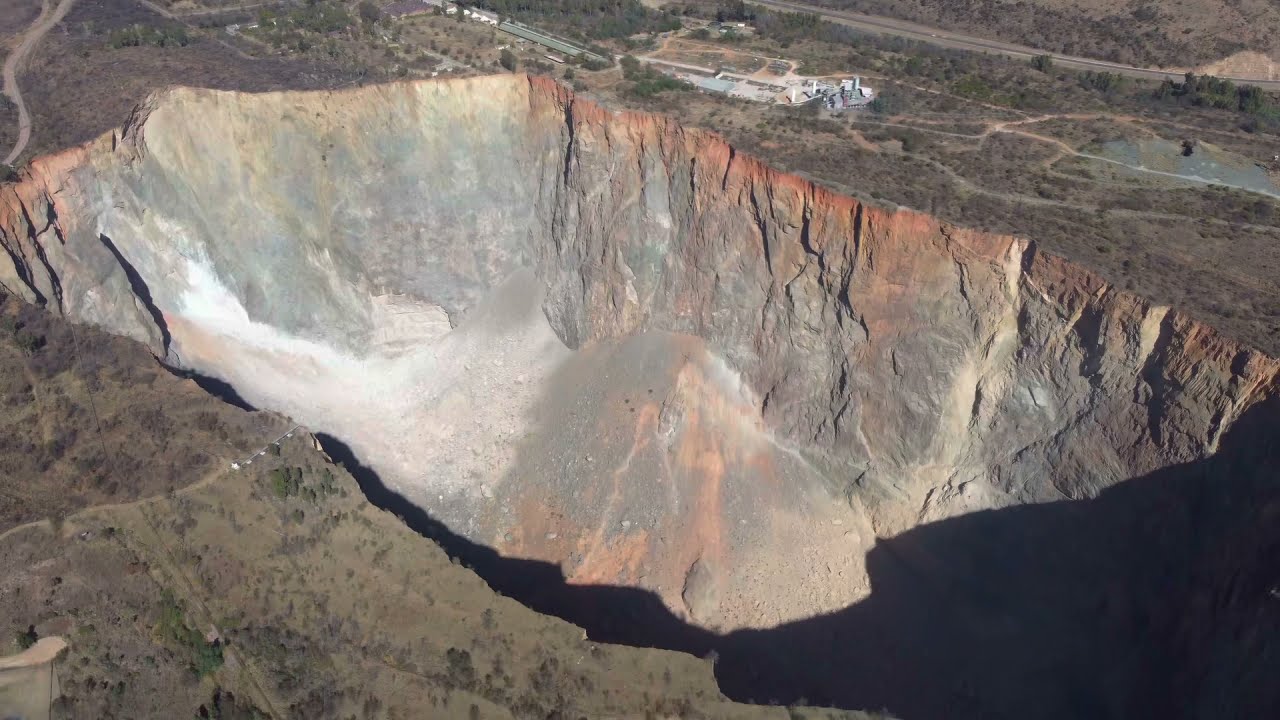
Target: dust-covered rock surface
{"x":610,"y":343}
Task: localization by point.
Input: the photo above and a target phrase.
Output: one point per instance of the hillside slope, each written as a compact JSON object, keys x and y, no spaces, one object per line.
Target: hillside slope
{"x":296,"y":599}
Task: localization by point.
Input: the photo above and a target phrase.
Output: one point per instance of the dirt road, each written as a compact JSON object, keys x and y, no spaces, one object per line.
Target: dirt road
{"x":960,"y":41}
{"x":69,"y":522}
{"x":47,"y":19}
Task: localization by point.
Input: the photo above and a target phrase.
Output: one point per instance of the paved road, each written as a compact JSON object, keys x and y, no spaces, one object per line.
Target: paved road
{"x":43,"y":23}
{"x":960,"y":41}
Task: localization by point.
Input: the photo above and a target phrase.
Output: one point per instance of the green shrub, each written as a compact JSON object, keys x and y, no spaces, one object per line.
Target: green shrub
{"x":647,"y":82}
{"x":630,"y":66}
{"x":279,"y":483}
{"x":139,"y":35}
{"x":369,"y":12}
{"x":508,"y":60}
{"x":1103,"y":82}
{"x":462,"y":673}
{"x":205,"y":657}
{"x":26,"y":638}
{"x":27,"y":342}
{"x":1209,"y":91}
{"x":972,"y":87}
{"x":286,"y":482}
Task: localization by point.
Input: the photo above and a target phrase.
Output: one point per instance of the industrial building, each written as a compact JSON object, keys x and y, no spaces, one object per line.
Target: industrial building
{"x":715,"y":84}
{"x":482,"y":16}
{"x":550,"y":42}
{"x":850,"y":94}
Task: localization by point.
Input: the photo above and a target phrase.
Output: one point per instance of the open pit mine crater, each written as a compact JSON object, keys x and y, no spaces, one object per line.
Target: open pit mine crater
{"x":936,"y":470}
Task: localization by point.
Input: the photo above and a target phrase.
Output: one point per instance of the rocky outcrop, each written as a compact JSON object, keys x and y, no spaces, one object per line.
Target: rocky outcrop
{"x":608,"y":341}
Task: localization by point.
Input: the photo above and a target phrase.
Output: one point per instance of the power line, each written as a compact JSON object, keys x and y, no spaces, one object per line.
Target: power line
{"x":93,"y":405}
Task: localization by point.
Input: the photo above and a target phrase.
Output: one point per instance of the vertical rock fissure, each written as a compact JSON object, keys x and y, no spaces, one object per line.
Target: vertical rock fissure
{"x":141,"y":291}
{"x":21,"y":268}
{"x":55,"y":283}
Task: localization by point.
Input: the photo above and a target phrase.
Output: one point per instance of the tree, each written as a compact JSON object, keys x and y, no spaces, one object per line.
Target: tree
{"x":28,"y":638}
{"x":205,"y":657}
{"x":1043,"y":63}
{"x":279,"y":484}
{"x":1251,"y":99}
{"x":1105,"y":82}
{"x":508,"y":60}
{"x":369,"y":12}
{"x":27,"y":342}
{"x":630,"y":66}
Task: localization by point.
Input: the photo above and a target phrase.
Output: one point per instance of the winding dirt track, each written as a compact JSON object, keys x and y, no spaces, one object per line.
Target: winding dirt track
{"x":69,"y":522}
{"x":47,"y":19}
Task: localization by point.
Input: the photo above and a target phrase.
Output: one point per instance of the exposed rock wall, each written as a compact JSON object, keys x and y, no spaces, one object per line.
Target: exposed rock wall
{"x":960,"y":369}
{"x":323,"y":252}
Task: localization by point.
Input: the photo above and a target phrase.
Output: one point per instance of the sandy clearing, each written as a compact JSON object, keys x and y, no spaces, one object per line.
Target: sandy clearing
{"x":45,"y":650}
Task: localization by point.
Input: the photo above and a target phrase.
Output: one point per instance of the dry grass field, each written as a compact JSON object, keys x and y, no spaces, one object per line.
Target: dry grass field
{"x":1156,"y":33}
{"x":97,"y":420}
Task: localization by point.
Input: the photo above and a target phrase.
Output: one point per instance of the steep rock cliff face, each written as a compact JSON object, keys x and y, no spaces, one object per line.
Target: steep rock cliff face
{"x":610,"y":342}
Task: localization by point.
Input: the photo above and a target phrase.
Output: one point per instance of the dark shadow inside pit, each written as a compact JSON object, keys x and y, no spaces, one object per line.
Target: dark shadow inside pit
{"x":622,"y":615}
{"x":1159,"y":598}
{"x":216,"y":387}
